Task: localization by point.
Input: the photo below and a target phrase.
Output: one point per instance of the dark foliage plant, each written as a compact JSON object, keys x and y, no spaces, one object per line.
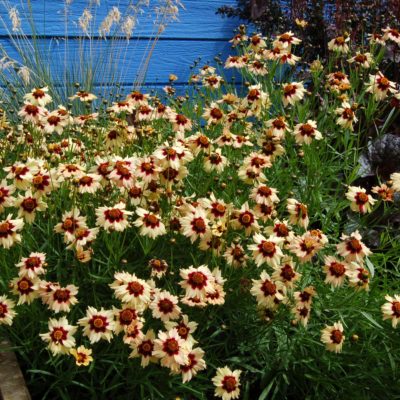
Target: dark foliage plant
{"x":325,"y":18}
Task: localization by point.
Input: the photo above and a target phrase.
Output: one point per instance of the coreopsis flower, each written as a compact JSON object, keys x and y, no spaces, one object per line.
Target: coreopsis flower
{"x":121,"y":173}
{"x":196,"y":363}
{"x":124,"y":318}
{"x":286,"y":272}
{"x":391,"y":34}
{"x":172,"y":350}
{"x":61,"y":299}
{"x":227,"y":383}
{"x":136,"y":194}
{"x":298,"y":213}
{"x":338,"y":81}
{"x":384,"y":192}
{"x":28,"y":204}
{"x":363,"y":60}
{"x":245,"y":219}
{"x":144,"y":348}
{"x":257,"y":67}
{"x":235,"y":255}
{"x":346,"y":116}
{"x":26,"y":288}
{"x":305,"y":297}
{"x":144,"y":113}
{"x":60,"y":337}
{"x":52,"y":122}
{"x":277,"y":127}
{"x":256,"y":99}
{"x":391,"y":309}
{"x":395,"y":177}
{"x":180,"y":123}
{"x":339,"y":44}
{"x":89,"y":183}
{"x":126,"y":106}
{"x":83,"y":96}
{"x":257,"y":42}
{"x":113,"y":218}
{"x":217,"y":209}
{"x":98,"y":324}
{"x":7,"y":312}
{"x":380,"y":86}
{"x":252,"y":175}
{"x":195,"y":224}
{"x":150,"y":224}
{"x":266,"y":250}
{"x":198,"y":142}
{"x":358,"y":276}
{"x":44,"y":182}
{"x":158,"y":267}
{"x":305,"y":246}
{"x":332,"y":336}
{"x":292,"y":93}
{"x":6,"y":191}
{"x":207,"y":70}
{"x":9,"y":231}
{"x":212,"y":81}
{"x":217,"y":297}
{"x":170,"y":176}
{"x":82,"y":237}
{"x":238,"y":38}
{"x":305,"y":133}
{"x":335,"y":270}
{"x":239,"y":141}
{"x":215,"y":161}
{"x":213,"y":114}
{"x":83,"y":255}
{"x":70,"y":171}
{"x":184,"y":327}
{"x":130,"y":289}
{"x":173,"y":155}
{"x":71,"y":221}
{"x":376,"y":38}
{"x":197,"y":282}
{"x":133,"y":332}
{"x":137,"y":98}
{"x":32,"y":266}
{"x":147,"y":169}
{"x":281,"y":229}
{"x":164,"y":306}
{"x":22,"y":173}
{"x":193,"y":302}
{"x":268,"y":293}
{"x":38,"y":97}
{"x":301,"y":314}
{"x":288,"y":58}
{"x":263,"y":194}
{"x":351,"y":248}
{"x":360,"y":201}
{"x":31,"y":113}
{"x":82,"y":355}
{"x":286,"y":40}
{"x":271,"y":146}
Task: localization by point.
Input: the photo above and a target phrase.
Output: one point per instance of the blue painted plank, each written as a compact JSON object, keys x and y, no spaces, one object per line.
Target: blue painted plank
{"x":197,"y":21}
{"x":122,"y":60}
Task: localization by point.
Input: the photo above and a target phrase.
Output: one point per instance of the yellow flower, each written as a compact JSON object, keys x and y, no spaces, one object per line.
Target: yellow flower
{"x":82,"y":356}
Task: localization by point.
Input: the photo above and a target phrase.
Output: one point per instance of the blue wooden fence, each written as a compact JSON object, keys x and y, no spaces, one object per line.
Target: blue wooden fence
{"x":199,"y":33}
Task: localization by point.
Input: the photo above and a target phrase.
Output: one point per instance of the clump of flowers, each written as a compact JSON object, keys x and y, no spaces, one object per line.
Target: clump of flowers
{"x":148,"y":228}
